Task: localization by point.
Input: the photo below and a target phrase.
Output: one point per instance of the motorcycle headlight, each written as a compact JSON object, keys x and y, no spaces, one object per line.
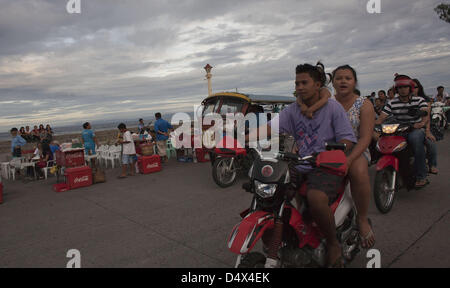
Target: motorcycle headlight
{"x":265,"y":190}
{"x":390,"y":128}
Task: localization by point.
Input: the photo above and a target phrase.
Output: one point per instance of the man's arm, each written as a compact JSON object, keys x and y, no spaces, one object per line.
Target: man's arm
{"x":422,"y":123}
{"x":21,"y":141}
{"x":381,"y":118}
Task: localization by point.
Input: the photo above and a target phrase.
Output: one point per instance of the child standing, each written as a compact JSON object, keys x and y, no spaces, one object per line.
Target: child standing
{"x":128,"y":151}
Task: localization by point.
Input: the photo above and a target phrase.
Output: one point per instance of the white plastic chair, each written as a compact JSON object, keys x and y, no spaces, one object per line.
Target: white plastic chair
{"x":45,"y":169}
{"x":112,"y":155}
{"x":5,"y":170}
{"x":14,"y":164}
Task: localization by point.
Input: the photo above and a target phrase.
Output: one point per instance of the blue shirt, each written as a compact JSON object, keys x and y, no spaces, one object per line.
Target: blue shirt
{"x":17,"y":141}
{"x":88,"y":138}
{"x":163,"y":126}
{"x":54,"y":148}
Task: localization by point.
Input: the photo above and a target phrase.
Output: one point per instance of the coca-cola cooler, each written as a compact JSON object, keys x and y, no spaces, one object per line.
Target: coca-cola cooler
{"x":70,"y":158}
{"x":149,"y":164}
{"x":202,"y":155}
{"x":78,"y":177}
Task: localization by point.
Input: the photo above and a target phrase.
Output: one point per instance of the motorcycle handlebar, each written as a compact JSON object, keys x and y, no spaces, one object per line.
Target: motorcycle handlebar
{"x":294,"y":157}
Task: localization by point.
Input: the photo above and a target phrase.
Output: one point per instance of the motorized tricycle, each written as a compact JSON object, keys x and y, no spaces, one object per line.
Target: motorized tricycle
{"x":228,"y":160}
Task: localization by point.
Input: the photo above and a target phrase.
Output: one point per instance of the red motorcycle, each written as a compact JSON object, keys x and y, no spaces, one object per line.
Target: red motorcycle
{"x":291,"y":238}
{"x":396,"y":160}
{"x":228,"y":161}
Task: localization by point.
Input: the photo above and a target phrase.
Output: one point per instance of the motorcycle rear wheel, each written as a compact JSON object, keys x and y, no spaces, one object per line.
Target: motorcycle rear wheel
{"x":383,"y":195}
{"x":252,"y":260}
{"x":223,"y":176}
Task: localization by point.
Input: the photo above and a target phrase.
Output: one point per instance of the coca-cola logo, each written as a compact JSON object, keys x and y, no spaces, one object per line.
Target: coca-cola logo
{"x":81,"y":179}
{"x":154,"y":165}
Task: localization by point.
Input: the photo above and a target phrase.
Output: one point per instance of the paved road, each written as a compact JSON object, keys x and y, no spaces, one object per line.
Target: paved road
{"x":180,"y":218}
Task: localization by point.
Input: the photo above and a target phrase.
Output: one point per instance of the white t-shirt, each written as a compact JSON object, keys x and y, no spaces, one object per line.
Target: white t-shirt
{"x":128,"y":148}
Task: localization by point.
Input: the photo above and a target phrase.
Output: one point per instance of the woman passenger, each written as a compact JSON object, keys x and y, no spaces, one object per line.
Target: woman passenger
{"x":362,"y":117}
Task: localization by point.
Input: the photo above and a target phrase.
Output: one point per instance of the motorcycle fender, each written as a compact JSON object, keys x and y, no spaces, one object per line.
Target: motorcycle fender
{"x":247,"y":233}
{"x":306,"y":235}
{"x":386,"y":161}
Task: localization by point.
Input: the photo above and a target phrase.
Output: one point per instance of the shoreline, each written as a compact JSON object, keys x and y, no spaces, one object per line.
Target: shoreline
{"x":107,"y":137}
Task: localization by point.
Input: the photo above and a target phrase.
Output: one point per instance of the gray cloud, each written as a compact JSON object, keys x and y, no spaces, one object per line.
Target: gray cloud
{"x":131,"y":58}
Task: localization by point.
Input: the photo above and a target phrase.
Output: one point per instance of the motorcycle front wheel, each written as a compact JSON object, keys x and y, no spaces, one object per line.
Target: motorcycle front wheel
{"x":383,"y":194}
{"x":222,"y":173}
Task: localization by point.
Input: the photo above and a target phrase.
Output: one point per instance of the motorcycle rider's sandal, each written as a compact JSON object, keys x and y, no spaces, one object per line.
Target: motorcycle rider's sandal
{"x":421,"y":183}
{"x":365,"y":239}
{"x":434,"y":170}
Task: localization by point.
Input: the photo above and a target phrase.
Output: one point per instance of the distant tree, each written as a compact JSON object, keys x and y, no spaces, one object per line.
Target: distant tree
{"x":443,"y":10}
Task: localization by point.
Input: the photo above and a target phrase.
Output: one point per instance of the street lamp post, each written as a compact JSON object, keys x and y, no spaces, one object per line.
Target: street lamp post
{"x":208,"y":76}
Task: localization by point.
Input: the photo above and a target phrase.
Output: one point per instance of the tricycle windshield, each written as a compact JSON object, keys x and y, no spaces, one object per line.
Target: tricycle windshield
{"x":210,"y":106}
{"x":230,"y":106}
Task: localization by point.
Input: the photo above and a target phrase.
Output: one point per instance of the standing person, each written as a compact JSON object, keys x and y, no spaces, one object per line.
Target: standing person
{"x":362,"y":118}
{"x":329,"y":124}
{"x":42,"y":132}
{"x":141,"y":126}
{"x":16,"y":143}
{"x":162,"y":129}
{"x":391,"y":94}
{"x":382,"y":97}
{"x":35,"y":134}
{"x":48,"y":134}
{"x":443,"y":97}
{"x":88,"y":139}
{"x":372,"y":98}
{"x":28,"y":134}
{"x":399,"y":108}
{"x":128,"y":151}
{"x":430,"y":140}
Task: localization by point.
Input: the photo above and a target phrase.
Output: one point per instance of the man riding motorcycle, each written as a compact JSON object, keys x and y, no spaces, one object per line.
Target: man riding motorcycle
{"x":329,"y":124}
{"x":400,"y":107}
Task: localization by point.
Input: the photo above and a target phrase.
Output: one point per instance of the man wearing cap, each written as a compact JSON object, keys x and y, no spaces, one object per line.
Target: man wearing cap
{"x":400,"y":108}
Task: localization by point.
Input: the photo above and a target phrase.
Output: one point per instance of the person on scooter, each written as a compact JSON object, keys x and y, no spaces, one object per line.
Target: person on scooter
{"x":362,"y":118}
{"x":401,"y":107}
{"x":430,"y":140}
{"x":328,"y":124}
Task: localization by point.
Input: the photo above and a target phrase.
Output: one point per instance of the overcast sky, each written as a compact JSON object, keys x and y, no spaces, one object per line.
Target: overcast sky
{"x":125,"y":59}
